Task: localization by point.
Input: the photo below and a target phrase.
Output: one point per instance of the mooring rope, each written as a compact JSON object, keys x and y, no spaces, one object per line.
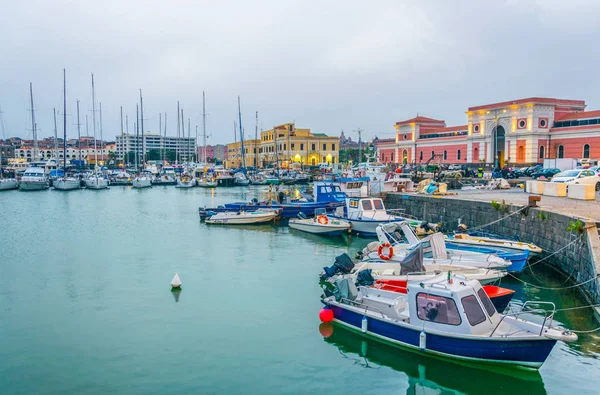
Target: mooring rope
{"x":557,"y":251}
{"x":550,"y":288}
{"x":499,"y":220}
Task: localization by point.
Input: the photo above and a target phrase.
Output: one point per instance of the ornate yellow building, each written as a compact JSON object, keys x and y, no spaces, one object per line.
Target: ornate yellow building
{"x":287,"y":144}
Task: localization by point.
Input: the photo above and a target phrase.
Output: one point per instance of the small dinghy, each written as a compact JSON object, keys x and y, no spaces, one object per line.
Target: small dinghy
{"x":448,"y":316}
{"x":321,"y":224}
{"x":510,"y":245}
{"x":243,"y":217}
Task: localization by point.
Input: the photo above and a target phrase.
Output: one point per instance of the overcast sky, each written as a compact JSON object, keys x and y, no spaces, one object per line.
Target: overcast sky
{"x":327,"y":65}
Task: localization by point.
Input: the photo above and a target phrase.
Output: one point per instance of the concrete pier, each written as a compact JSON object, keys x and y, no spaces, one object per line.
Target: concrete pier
{"x":545,"y":226}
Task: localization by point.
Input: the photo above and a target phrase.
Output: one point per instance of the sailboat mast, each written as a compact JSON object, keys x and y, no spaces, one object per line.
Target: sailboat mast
{"x":122,"y":139}
{"x":204,"y":127}
{"x":142,"y":120}
{"x":33,"y":125}
{"x":188,"y":143}
{"x":165,"y":141}
{"x":255,"y":141}
{"x":137,"y":136}
{"x":94,"y":127}
{"x":3,"y":137}
{"x":182,"y":130}
{"x":55,"y":142}
{"x":78,"y":134}
{"x":159,"y":132}
{"x":65,"y":121}
{"x":177,"y":139}
{"x":241,"y":134}
{"x":101,"y":141}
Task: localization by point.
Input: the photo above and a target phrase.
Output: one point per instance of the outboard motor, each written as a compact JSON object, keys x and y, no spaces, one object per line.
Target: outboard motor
{"x":343,"y":264}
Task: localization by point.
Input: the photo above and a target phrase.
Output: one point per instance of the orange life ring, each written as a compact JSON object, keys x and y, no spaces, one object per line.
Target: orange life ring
{"x":390,"y":252}
{"x":323,"y":219}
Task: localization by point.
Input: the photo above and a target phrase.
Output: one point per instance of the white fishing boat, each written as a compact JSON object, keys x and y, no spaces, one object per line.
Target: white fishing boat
{"x":365,"y":215}
{"x":34,"y":179}
{"x":243,"y":217}
{"x":224,"y":177}
{"x":321,"y":224}
{"x":142,"y":181}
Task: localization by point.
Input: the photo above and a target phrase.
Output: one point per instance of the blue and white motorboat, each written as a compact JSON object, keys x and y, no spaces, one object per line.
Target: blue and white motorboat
{"x":327,"y":197}
{"x":448,"y":316}
{"x":321,"y":224}
{"x":365,"y":215}
{"x":466,"y":240}
{"x":518,"y":259}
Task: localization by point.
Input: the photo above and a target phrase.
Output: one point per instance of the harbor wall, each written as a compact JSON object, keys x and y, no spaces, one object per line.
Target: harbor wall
{"x":547,"y":229}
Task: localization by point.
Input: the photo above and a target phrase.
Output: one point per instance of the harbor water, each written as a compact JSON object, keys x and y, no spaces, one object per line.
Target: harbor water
{"x":86,"y":307}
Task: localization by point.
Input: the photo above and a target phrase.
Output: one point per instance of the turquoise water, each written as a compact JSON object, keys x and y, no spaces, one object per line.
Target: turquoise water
{"x":86,"y":307}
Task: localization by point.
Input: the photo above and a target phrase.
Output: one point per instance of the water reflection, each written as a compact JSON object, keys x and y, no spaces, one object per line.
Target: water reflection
{"x":176,"y":293}
{"x":429,"y":374}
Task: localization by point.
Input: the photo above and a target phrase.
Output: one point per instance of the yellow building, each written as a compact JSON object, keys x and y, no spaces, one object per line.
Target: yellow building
{"x":288,"y":144}
{"x":234,"y":153}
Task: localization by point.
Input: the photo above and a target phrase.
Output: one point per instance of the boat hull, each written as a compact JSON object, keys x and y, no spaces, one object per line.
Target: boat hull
{"x":96,"y":183}
{"x":288,"y":210}
{"x":319,"y":229}
{"x":366,"y":228}
{"x":518,"y":259}
{"x":33,"y":185}
{"x":225,"y":182}
{"x":8,"y":184}
{"x":242,"y":219}
{"x":141,"y":183}
{"x":66,"y":185}
{"x":529,"y":353}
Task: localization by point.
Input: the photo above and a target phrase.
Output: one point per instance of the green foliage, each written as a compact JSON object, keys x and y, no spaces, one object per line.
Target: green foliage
{"x":500,"y":206}
{"x":576,"y":227}
{"x":543,"y":216}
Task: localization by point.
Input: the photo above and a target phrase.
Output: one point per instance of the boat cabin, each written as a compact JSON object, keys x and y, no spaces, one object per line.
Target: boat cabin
{"x":328,"y":192}
{"x":369,"y":209}
{"x":355,"y":186}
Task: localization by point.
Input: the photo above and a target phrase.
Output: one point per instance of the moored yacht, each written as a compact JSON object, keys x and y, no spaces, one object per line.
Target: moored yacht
{"x":66,"y":184}
{"x":34,"y":179}
{"x":96,"y":182}
{"x":142,"y":181}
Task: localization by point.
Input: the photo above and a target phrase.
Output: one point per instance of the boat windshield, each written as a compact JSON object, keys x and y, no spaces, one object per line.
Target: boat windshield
{"x":473,"y":310}
{"x":378,"y":204}
{"x":487,"y":303}
{"x":437,"y":309}
{"x":366,"y":205}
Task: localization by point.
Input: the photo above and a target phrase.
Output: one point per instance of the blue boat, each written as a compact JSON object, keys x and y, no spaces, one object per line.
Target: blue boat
{"x":450,"y":317}
{"x":518,"y":259}
{"x":327,"y":197}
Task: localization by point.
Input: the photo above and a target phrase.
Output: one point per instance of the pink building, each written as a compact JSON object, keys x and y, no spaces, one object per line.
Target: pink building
{"x":518,"y":132}
{"x":213,"y":153}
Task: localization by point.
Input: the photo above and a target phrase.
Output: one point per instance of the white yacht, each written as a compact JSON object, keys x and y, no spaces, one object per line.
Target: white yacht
{"x":34,"y":179}
{"x":8,"y":183}
{"x":66,"y":184}
{"x":142,"y":181}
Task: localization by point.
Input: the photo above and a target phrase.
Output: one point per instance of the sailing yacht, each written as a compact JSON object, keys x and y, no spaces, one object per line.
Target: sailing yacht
{"x":65,"y":183}
{"x":34,"y":178}
{"x":95,"y":181}
{"x":144,"y":179}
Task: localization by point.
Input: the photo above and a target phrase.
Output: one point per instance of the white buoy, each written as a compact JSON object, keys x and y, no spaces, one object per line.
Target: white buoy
{"x":364,"y":325}
{"x":422,"y":341}
{"x":176,"y":282}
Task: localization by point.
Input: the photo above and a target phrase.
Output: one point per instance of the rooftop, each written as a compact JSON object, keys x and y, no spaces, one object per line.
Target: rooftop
{"x":419,"y":119}
{"x":580,"y":115}
{"x":531,"y":100}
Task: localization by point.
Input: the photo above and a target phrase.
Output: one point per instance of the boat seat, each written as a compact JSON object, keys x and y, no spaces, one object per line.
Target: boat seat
{"x":388,"y":272}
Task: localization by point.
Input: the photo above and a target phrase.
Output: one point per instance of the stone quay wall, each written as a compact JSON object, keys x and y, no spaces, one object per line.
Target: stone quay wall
{"x":580,"y":260}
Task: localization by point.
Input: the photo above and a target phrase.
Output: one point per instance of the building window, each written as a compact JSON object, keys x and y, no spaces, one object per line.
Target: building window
{"x":445,"y":154}
{"x":405,"y":156}
{"x":392,"y":156}
{"x":458,"y":155}
{"x":314,"y":146}
{"x":521,"y":153}
{"x":421,"y":155}
{"x":561,"y":152}
{"x":382,"y":157}
{"x":292,"y":146}
{"x":324,"y":159}
{"x":285,"y":146}
{"x":586,"y":151}
{"x":542,"y":149}
{"x":301,"y":147}
{"x":324,"y":147}
{"x":432,"y":154}
{"x":333,"y":147}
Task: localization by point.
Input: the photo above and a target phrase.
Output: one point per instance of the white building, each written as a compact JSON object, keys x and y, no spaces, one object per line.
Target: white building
{"x":185,"y":147}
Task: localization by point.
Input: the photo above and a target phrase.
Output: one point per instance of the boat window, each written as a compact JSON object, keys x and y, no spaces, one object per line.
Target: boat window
{"x":378,"y":204}
{"x":354,"y":203}
{"x":437,"y":309}
{"x":366,"y":205}
{"x":487,"y":303}
{"x":473,"y":310}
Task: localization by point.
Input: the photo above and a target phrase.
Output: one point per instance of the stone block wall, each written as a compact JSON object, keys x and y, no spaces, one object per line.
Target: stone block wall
{"x":546,"y":229}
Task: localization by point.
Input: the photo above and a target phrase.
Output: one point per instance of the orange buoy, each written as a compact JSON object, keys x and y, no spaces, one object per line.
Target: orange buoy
{"x":385,"y":255}
{"x":326,"y":314}
{"x":323,"y":219}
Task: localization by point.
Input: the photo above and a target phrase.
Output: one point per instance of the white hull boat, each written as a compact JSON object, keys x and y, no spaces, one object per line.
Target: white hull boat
{"x":34,"y":179}
{"x":207,"y":183}
{"x":320,"y":225}
{"x":243,"y":217}
{"x":186,"y":183}
{"x":96,"y":183}
{"x":8,"y":183}
{"x":141,"y":182}
{"x":66,"y":184}
{"x":510,"y":245}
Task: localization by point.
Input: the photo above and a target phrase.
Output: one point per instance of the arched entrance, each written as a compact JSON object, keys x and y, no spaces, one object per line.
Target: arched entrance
{"x":499,"y":142}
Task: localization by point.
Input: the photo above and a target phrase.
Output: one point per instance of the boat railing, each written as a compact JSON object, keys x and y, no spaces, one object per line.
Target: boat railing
{"x":526,"y":309}
{"x":358,"y":304}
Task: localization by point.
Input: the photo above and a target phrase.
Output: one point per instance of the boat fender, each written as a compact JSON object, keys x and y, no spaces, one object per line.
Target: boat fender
{"x":326,"y":315}
{"x":323,"y":219}
{"x":364,"y":324}
{"x":422,"y":341}
{"x":390,"y":251}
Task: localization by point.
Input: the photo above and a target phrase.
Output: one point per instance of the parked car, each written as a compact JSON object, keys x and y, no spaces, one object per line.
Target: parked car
{"x":533,"y":169}
{"x":578,"y":176}
{"x":547,"y":173}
